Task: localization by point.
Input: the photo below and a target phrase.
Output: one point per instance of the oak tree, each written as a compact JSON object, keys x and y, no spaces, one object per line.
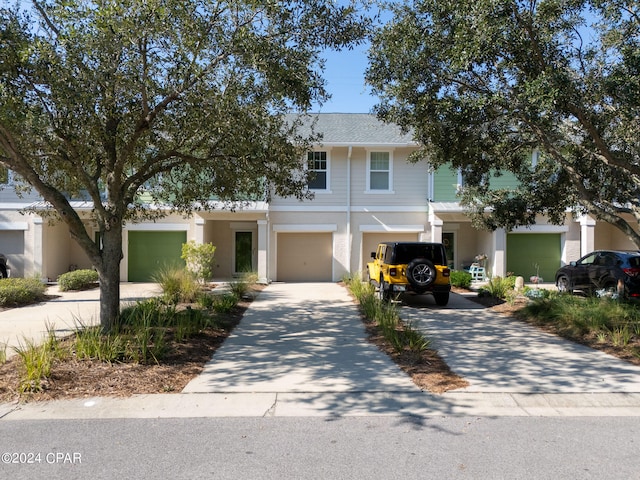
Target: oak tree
{"x":484,"y":84}
{"x":128,"y":104}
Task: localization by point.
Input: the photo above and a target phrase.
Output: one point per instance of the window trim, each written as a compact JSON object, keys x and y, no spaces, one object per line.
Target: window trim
{"x":389,"y":190}
{"x":327,"y":171}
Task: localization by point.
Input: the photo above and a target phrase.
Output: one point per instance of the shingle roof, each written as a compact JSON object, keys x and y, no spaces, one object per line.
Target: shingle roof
{"x":356,"y":129}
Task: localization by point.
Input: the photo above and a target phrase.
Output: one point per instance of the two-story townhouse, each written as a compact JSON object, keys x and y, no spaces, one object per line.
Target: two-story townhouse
{"x":525,"y":251}
{"x":365,"y":191}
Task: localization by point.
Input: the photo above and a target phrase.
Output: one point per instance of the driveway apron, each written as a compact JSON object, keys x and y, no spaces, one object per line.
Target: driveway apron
{"x":496,"y":353}
{"x":304,"y":337}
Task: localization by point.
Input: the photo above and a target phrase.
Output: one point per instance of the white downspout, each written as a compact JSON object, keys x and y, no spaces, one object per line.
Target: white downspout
{"x":349,"y":242}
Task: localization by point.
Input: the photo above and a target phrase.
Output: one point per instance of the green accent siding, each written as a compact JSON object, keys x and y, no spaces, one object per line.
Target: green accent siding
{"x":505,"y":181}
{"x":445,"y":183}
{"x":524,"y":250}
{"x":149,"y":251}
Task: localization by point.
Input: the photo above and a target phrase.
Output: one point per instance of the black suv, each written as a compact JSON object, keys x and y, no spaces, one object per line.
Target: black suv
{"x":607,"y":270}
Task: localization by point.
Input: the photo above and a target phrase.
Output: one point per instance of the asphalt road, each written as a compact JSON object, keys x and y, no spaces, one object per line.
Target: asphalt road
{"x":323,"y":448}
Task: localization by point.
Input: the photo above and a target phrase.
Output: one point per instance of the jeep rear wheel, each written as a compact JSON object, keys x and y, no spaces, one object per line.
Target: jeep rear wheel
{"x":421,"y":272}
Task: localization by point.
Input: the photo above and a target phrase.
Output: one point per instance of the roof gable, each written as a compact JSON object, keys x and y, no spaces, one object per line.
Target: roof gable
{"x":354,"y":129}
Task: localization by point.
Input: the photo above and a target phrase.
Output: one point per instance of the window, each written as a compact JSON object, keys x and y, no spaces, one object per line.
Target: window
{"x":379,"y":175}
{"x":318,"y":167}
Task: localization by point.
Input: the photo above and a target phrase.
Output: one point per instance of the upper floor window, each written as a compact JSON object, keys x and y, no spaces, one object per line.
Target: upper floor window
{"x":319,"y":171}
{"x":379,"y":172}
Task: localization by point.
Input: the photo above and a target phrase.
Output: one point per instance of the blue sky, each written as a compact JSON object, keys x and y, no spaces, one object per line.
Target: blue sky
{"x":344,"y":73}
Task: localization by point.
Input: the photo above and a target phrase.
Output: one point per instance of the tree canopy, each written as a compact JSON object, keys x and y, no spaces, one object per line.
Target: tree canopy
{"x":484,"y":84}
{"x":178,"y":101}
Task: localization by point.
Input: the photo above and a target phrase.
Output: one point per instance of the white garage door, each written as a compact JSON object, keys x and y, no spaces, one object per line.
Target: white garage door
{"x":305,"y":257}
{"x":12,"y":245}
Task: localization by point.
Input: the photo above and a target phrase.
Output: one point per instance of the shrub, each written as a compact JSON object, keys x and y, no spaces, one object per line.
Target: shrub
{"x":78,"y":280}
{"x":199,"y":259}
{"x":20,"y":291}
{"x":537,"y":293}
{"x":460,"y":279}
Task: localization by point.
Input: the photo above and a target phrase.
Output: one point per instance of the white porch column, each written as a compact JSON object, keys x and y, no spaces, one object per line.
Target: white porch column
{"x":499,"y":264}
{"x":587,"y":235}
{"x":199,"y":230}
{"x":37,"y":247}
{"x":263,"y":257}
{"x":436,"y":227}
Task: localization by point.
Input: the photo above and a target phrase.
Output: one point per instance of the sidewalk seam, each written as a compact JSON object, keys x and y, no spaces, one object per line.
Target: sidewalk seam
{"x":271,"y":411}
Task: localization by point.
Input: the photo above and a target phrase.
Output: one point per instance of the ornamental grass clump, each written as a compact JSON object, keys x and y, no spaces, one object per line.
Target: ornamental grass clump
{"x":37,"y":361}
{"x":241,"y":287}
{"x":576,"y":316}
{"x":497,"y":287}
{"x":92,"y":343}
{"x":178,"y":284}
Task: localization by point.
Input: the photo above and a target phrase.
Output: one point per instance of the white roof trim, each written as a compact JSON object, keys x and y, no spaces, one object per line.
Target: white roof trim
{"x":157,"y":227}
{"x":301,"y":228}
{"x":391,"y":228}
{"x":14,"y":226}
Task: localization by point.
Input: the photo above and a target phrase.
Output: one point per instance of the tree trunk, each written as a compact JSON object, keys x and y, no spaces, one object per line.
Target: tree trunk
{"x":109,"y":272}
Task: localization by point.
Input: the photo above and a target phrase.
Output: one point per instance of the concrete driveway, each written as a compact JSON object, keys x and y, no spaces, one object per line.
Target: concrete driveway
{"x":300,"y":337}
{"x":499,"y":354}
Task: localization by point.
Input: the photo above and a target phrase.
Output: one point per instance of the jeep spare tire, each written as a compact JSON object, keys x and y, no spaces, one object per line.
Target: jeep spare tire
{"x":421,"y":272}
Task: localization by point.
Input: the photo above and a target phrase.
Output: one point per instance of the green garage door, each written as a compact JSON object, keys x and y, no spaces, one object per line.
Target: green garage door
{"x":148,"y":251}
{"x":525,"y":250}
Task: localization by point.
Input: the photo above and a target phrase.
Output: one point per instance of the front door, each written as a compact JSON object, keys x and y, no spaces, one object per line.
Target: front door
{"x":244,"y":252}
{"x":448,"y":240}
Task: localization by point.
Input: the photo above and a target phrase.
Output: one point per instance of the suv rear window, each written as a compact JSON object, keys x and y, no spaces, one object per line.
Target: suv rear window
{"x":634,"y":261}
{"x":404,"y":253}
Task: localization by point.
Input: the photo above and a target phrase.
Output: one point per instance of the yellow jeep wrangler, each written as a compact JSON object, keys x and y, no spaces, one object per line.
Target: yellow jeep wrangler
{"x":410,"y":267}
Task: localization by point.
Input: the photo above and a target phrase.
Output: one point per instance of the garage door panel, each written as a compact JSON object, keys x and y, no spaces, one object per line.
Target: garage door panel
{"x":12,"y":245}
{"x":535,"y":253}
{"x":305,"y":257}
{"x":150,"y":251}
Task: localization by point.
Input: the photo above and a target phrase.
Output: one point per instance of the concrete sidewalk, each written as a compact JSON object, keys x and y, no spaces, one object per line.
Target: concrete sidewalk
{"x":301,"y":350}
